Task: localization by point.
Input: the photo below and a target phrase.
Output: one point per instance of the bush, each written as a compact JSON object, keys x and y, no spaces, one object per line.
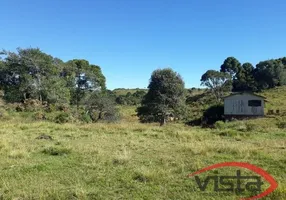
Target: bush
{"x":51,"y":108}
{"x":195,"y":122}
{"x":62,"y":118}
{"x":219,"y":125}
{"x":101,"y":107}
{"x":19,"y":107}
{"x":63,"y":107}
{"x":39,"y":116}
{"x":85,"y":118}
{"x":213,"y":114}
{"x":58,"y":107}
{"x":32,"y":105}
{"x":112,"y":116}
{"x":281,"y":125}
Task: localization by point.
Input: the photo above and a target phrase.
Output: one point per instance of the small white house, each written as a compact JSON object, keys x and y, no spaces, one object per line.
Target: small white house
{"x":244,"y":105}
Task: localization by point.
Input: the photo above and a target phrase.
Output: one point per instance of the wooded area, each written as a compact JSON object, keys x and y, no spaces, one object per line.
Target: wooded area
{"x":30,"y":75}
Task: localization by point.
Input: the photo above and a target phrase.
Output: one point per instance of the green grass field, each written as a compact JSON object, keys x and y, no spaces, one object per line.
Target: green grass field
{"x":129,"y":160}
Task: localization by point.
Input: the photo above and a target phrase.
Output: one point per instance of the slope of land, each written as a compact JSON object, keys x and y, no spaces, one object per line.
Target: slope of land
{"x":276,"y":99}
{"x":129,"y":160}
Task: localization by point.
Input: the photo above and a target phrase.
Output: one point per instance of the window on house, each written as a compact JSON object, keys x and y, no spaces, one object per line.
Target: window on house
{"x":254,"y":103}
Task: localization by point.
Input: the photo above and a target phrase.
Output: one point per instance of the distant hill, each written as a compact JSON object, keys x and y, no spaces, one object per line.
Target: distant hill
{"x":275,"y":98}
{"x":123,"y":91}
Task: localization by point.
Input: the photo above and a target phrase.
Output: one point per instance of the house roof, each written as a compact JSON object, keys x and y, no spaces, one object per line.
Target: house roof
{"x":242,"y":93}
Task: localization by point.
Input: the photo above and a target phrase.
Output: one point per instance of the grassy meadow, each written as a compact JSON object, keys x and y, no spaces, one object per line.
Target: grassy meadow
{"x":130,"y":160}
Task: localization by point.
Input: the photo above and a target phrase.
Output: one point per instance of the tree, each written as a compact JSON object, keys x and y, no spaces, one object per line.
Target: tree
{"x":87,"y":76}
{"x":166,"y":96}
{"x":84,"y":76}
{"x":82,"y":79}
{"x":55,"y":90}
{"x":100,"y":106}
{"x":32,"y":74}
{"x":217,"y":82}
{"x":244,"y":79}
{"x":270,"y":73}
{"x":231,"y":66}
{"x":24,"y":73}
{"x":2,"y":74}
{"x":283,"y":60}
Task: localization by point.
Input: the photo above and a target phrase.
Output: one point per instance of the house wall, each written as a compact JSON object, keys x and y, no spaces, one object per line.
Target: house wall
{"x":238,"y":105}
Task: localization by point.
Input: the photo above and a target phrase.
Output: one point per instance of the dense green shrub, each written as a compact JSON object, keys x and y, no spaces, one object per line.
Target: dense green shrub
{"x":85,"y":118}
{"x":62,"y":118}
{"x":213,"y":114}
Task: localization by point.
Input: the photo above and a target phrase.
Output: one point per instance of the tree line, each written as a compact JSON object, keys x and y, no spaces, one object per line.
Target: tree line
{"x":167,"y":95}
{"x":236,"y":77}
{"x":32,"y":74}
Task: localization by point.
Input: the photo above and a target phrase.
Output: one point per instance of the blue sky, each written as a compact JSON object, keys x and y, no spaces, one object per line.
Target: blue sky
{"x":131,"y":38}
